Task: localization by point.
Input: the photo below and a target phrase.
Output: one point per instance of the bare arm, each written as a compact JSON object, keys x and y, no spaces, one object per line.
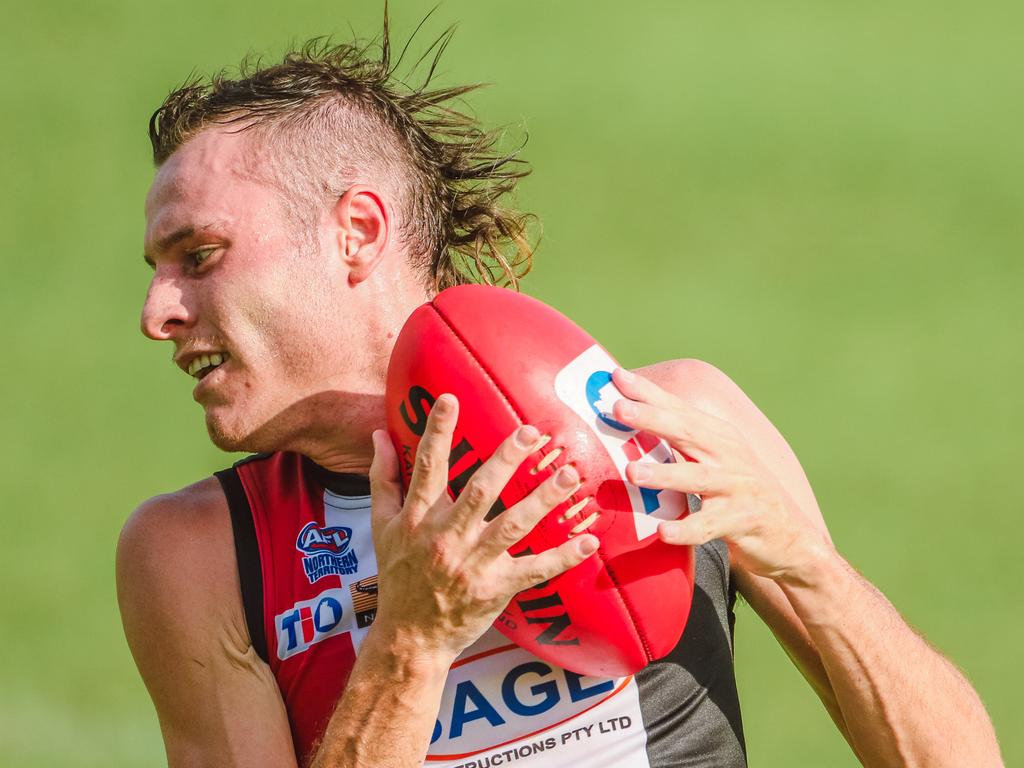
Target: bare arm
{"x":906,"y":703}
{"x":896,"y":700}
{"x":217,"y":702}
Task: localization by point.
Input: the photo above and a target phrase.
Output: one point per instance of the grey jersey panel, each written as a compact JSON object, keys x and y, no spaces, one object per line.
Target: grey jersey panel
{"x":689,"y":703}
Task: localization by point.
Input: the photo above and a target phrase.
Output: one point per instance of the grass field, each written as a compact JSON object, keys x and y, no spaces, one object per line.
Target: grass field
{"x":824,"y":200}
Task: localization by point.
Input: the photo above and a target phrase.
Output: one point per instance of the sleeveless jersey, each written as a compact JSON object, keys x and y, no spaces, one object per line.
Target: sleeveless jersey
{"x":309,"y":584}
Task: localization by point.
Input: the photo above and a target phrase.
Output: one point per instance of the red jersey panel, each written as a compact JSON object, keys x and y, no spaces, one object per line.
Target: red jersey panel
{"x":318,"y":582}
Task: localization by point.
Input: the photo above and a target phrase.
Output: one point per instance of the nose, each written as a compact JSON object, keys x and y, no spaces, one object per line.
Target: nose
{"x":164,"y":311}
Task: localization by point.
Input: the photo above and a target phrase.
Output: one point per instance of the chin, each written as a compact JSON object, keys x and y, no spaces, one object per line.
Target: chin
{"x":227,"y":441}
{"x":232,"y":438}
{"x":235,"y":436}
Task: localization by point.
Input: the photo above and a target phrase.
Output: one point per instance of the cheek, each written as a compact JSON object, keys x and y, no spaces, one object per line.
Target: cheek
{"x":299,"y":326}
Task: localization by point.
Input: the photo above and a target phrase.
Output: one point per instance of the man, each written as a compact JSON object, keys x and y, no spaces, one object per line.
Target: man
{"x":298,"y":215}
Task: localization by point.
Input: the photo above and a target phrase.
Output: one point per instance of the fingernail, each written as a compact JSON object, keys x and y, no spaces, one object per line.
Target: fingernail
{"x":627,"y":377}
{"x":666,"y":533}
{"x":566,"y":478}
{"x":443,"y":405}
{"x":626,"y":409}
{"x":587,"y":545}
{"x":640,"y":472}
{"x":526,"y":436}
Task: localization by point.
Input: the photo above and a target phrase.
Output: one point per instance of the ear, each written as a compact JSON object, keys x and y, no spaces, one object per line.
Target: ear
{"x":363,"y":229}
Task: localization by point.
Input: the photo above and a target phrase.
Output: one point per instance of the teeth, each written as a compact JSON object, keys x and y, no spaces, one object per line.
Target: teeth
{"x":206,"y":361}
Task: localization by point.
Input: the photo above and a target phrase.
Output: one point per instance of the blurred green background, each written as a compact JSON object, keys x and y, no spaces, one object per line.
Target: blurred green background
{"x":825,"y":200}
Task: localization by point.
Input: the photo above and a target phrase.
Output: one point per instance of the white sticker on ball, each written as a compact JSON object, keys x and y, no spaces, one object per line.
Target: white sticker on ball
{"x":585,"y":385}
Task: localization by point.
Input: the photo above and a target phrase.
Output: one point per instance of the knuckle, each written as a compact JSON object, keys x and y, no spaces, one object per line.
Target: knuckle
{"x":703,"y":478}
{"x":408,"y":525}
{"x":487,"y":592}
{"x":681,"y":427}
{"x":509,"y":453}
{"x":514,"y":528}
{"x":535,"y":577}
{"x":655,"y":472}
{"x":425,"y":461}
{"x":463,"y":581}
{"x":567,"y":558}
{"x":442,"y":558}
{"x":419,"y":498}
{"x":476,"y":493}
{"x":537,"y":573}
{"x":746,"y":484}
{"x":754,"y":524}
{"x":548,"y":495}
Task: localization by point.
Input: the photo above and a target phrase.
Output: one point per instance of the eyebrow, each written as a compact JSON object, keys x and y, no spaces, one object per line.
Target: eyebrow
{"x":181,"y":233}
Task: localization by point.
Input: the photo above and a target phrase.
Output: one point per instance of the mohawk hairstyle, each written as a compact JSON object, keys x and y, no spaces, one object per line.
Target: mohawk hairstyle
{"x":330,"y":116}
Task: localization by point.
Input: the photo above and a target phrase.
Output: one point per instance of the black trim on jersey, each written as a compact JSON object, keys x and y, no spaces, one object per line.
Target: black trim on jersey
{"x":247,"y":552}
{"x":341,"y":483}
{"x":732,"y":616}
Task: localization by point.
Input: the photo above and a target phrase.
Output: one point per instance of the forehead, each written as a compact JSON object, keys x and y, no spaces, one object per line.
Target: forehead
{"x":209,"y":180}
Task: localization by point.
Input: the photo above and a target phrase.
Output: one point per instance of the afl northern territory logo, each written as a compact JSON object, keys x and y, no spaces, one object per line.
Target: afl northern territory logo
{"x":328,"y":551}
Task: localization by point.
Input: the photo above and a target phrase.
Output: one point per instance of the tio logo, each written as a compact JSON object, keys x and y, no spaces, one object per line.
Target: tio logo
{"x":309,"y":622}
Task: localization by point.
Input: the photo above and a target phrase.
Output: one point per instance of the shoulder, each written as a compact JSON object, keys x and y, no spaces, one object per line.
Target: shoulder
{"x":179,"y":528}
{"x":176,"y":555}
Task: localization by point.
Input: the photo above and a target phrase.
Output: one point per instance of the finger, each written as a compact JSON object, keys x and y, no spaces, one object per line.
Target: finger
{"x":699,"y":528}
{"x":641,"y":389}
{"x":685,"y":476}
{"x":430,"y":468}
{"x":534,"y":569}
{"x":385,"y":481}
{"x":695,"y":433}
{"x":637,"y":387}
{"x":517,"y":521}
{"x":490,"y":479}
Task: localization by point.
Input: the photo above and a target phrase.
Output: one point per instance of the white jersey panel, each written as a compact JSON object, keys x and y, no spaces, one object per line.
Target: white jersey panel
{"x":501,"y":705}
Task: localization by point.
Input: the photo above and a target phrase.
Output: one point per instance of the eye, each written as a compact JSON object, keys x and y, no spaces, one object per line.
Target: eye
{"x":201,"y":255}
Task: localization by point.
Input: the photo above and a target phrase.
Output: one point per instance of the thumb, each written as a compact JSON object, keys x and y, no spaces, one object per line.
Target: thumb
{"x":385,"y":482}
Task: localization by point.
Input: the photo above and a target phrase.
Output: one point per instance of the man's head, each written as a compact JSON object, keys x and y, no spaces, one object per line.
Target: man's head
{"x":298,"y":214}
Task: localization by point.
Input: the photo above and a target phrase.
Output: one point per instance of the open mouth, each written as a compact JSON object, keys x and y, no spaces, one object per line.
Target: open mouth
{"x":203,"y":365}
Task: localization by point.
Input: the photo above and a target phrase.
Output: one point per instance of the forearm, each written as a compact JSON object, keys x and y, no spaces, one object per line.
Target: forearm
{"x":903,"y":703}
{"x":387,"y":714}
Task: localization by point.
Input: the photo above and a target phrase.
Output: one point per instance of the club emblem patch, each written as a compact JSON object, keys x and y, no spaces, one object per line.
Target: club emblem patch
{"x":327,"y":551}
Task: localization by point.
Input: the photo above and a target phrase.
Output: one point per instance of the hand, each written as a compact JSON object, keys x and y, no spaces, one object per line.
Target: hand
{"x":445,"y":573}
{"x":742,"y":501}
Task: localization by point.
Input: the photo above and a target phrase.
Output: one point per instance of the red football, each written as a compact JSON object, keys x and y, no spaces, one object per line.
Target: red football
{"x":512,"y":360}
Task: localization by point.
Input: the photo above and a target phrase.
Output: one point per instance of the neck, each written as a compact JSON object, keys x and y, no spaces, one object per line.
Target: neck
{"x":338,"y":435}
{"x":339,"y":424}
